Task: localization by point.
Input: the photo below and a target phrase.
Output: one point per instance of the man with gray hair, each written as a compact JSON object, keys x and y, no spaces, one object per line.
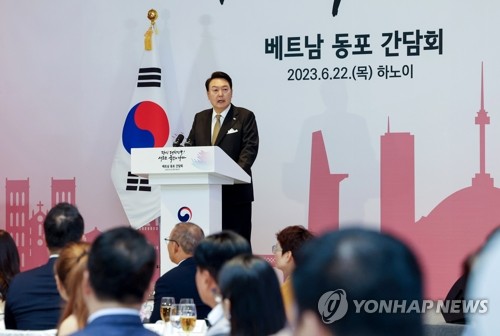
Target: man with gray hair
{"x":180,"y":282}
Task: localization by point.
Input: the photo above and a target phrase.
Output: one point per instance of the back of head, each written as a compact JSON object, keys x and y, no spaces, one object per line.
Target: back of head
{"x":69,"y":269}
{"x":365,"y":265}
{"x":213,"y":251}
{"x":292,"y":238}
{"x":63,"y":224}
{"x":70,"y":258}
{"x":9,"y":262}
{"x":252,"y":288}
{"x":121,"y":263}
{"x":188,"y":235}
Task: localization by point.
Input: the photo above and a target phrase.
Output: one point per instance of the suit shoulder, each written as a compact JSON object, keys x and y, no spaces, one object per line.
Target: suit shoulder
{"x":204,"y":113}
{"x":243,"y":113}
{"x":242,"y":110}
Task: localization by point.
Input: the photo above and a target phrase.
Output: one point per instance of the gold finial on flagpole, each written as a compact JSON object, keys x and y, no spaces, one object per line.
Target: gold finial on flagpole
{"x":152,"y":16}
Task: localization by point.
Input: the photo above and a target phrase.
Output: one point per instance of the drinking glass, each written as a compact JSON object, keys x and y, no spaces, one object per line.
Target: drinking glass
{"x":175,"y":317}
{"x":188,"y":317}
{"x":166,"y":305}
{"x":186,"y":300}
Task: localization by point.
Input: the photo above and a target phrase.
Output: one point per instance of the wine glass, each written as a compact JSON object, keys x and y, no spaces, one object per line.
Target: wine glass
{"x":165,"y":306}
{"x":186,"y":300}
{"x":188,"y":317}
{"x":175,"y":317}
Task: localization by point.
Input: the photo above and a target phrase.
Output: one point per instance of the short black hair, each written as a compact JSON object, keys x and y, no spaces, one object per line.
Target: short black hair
{"x":252,"y":287}
{"x":63,"y":224}
{"x":121,"y":263}
{"x":367,"y":265}
{"x":219,"y":75}
{"x":213,"y":251}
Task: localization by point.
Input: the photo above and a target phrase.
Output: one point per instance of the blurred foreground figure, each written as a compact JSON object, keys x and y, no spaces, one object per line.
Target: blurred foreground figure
{"x":335,"y":273}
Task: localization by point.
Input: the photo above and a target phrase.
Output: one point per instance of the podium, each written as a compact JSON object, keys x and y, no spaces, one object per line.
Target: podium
{"x":190,"y":180}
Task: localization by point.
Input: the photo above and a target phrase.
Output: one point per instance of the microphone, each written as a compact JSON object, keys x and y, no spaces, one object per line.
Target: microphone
{"x":178,"y":140}
{"x":188,"y":143}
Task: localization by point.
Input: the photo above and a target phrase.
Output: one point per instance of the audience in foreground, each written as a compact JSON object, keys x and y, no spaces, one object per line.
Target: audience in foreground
{"x":482,"y":292}
{"x":251,"y":296}
{"x":33,"y":302}
{"x":9,"y":267}
{"x":121,"y":263}
{"x":179,"y":282}
{"x":210,"y":255}
{"x":69,"y":268}
{"x":289,"y":241}
{"x":356,"y":264}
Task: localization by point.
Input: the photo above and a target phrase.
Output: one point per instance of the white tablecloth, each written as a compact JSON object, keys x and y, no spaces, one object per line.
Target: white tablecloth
{"x":166,"y":329}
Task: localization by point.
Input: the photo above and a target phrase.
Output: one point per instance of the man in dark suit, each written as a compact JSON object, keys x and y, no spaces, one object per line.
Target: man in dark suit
{"x":33,"y":301}
{"x":120,"y":266}
{"x":180,"y":282}
{"x":234,"y":130}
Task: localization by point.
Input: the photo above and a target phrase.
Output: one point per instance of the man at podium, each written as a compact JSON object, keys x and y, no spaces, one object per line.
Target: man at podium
{"x":234,"y":130}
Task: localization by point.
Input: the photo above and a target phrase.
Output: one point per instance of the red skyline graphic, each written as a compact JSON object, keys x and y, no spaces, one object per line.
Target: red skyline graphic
{"x":442,"y":240}
{"x":27,"y":228}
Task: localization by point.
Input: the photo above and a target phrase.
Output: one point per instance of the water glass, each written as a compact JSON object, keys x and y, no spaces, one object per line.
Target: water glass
{"x":175,"y":317}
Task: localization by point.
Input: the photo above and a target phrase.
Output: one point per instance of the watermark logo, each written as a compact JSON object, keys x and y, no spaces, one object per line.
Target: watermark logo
{"x":332,"y":306}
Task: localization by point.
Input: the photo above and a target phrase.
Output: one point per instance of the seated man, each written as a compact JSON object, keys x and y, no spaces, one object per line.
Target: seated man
{"x":210,"y":255}
{"x":179,"y":282}
{"x":336,"y":272}
{"x":33,"y":301}
{"x":120,"y":266}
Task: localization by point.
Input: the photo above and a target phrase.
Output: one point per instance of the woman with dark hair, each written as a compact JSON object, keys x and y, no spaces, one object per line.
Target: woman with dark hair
{"x":9,"y":266}
{"x":251,"y":297}
{"x":289,"y":241}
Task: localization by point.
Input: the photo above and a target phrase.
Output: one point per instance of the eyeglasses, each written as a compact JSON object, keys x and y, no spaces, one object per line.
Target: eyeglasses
{"x":276,"y":248}
{"x":171,"y":240}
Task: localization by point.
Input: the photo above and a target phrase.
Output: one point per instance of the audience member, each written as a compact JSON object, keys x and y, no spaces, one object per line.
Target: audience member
{"x":33,"y":302}
{"x":9,"y":266}
{"x":289,"y":240}
{"x":120,"y":266}
{"x":459,"y":288}
{"x":69,"y":268}
{"x":251,"y":296}
{"x":347,"y":266}
{"x":180,"y":282}
{"x":210,"y":255}
{"x":482,"y":292}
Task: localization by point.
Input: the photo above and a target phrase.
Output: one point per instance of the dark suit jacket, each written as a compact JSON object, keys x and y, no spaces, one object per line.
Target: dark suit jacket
{"x":179,"y":283}
{"x":241,"y":144}
{"x":33,"y":302}
{"x":115,"y":325}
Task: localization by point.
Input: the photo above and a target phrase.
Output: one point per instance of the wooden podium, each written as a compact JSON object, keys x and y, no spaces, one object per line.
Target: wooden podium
{"x":191,"y":180}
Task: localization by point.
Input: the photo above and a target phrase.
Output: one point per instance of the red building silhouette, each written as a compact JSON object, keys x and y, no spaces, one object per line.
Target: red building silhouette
{"x":397,"y":179}
{"x":455,"y":228}
{"x":26,"y":228}
{"x":323,"y":190}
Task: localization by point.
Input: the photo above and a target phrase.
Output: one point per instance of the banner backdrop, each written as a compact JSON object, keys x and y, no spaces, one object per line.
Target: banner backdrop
{"x":379,"y":116}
